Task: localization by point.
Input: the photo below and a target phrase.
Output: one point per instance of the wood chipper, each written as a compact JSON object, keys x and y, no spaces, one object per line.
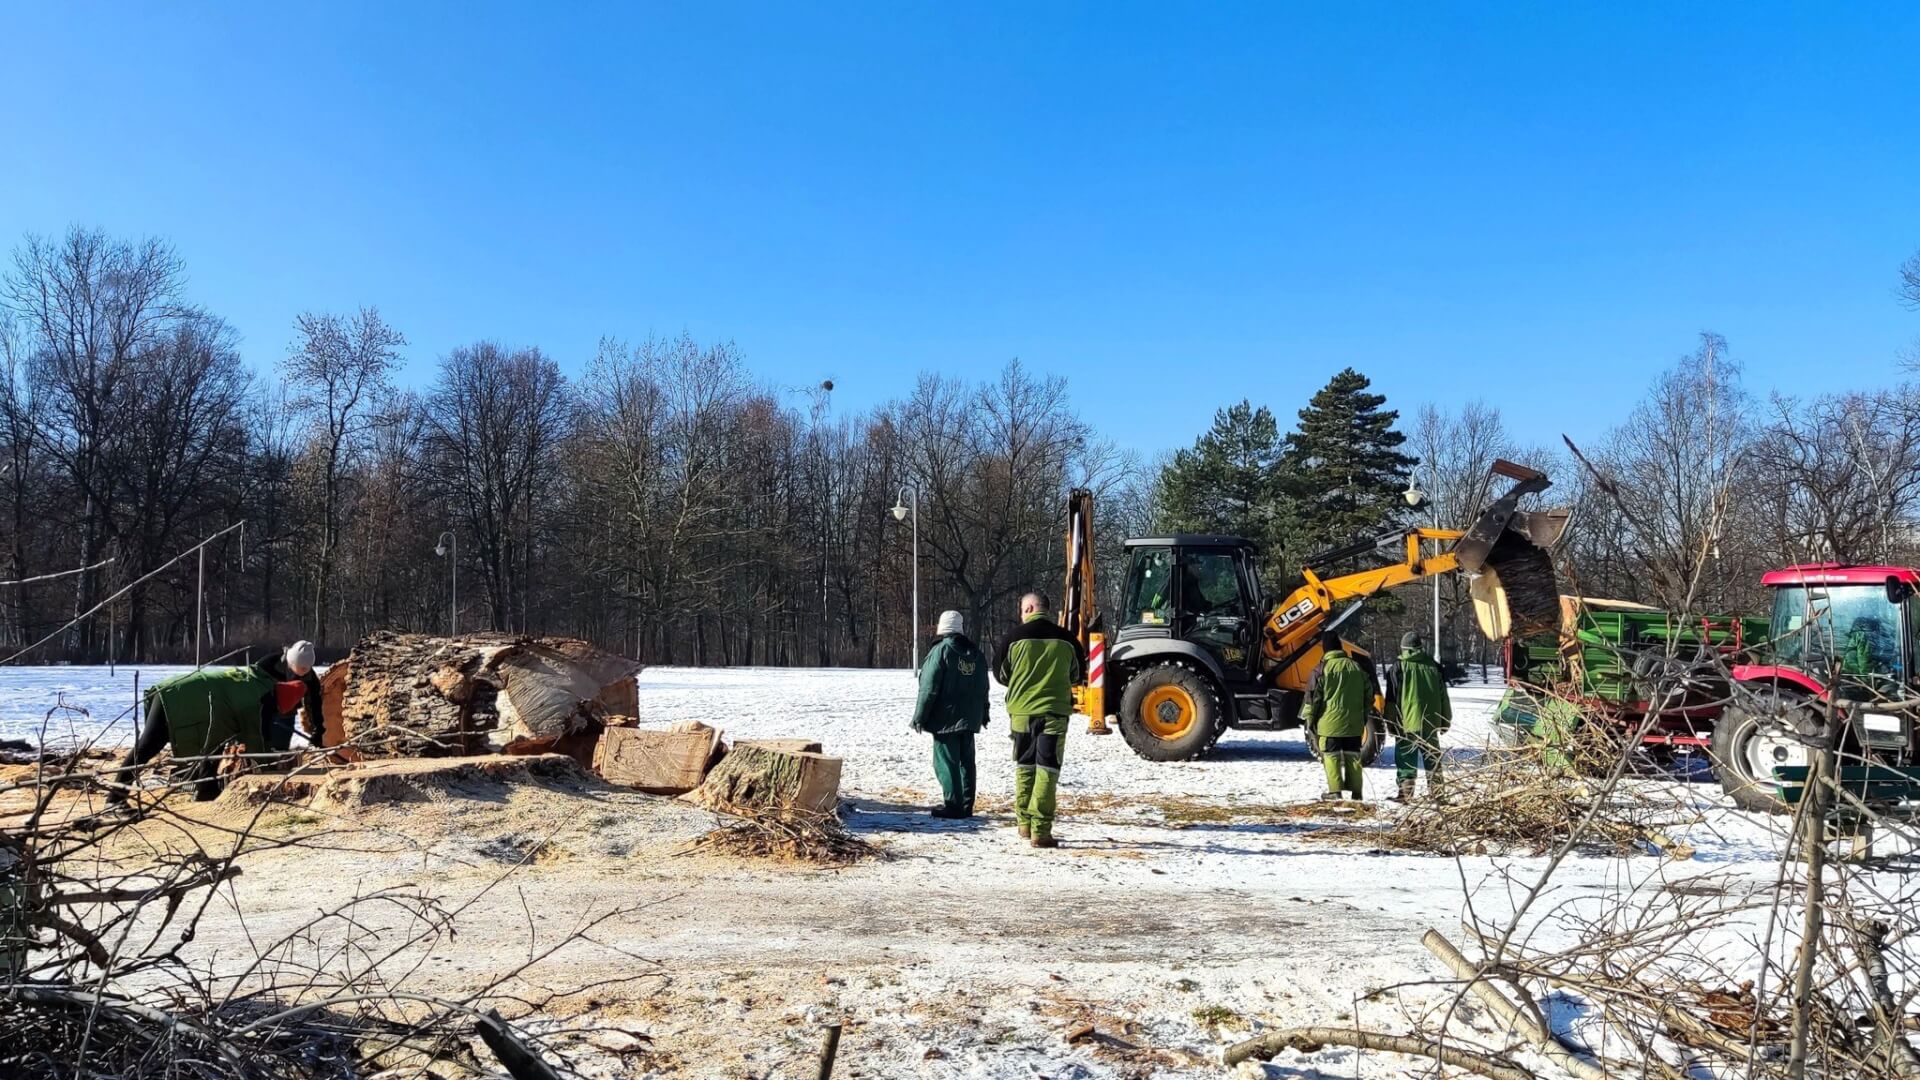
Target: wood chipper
{"x":1195,"y":648}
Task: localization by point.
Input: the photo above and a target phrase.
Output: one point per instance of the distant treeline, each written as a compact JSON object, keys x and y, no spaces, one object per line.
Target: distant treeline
{"x":666,"y":503}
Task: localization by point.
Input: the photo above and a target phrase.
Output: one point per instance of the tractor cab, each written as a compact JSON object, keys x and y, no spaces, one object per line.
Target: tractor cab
{"x":1856,"y":621}
{"x":1202,"y":590}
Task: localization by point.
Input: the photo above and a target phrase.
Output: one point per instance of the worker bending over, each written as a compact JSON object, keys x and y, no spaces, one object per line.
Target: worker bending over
{"x":1418,"y":689}
{"x":952,"y":707}
{"x":1336,"y":711}
{"x":199,"y":714}
{"x":1039,"y":666}
{"x":293,"y":664}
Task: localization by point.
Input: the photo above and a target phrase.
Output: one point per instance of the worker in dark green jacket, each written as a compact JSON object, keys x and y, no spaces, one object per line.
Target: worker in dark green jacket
{"x":951,"y":708}
{"x":1417,"y":688}
{"x":1039,"y":666}
{"x":1336,"y":711}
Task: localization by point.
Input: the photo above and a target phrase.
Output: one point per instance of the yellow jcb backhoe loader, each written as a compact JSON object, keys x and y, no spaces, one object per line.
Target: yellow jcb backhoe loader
{"x":1197,"y":650}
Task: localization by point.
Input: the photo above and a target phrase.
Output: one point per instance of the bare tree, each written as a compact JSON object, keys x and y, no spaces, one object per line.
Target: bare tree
{"x":1675,"y":517}
{"x":90,"y":307}
{"x":1844,"y":473}
{"x":339,"y":368}
{"x":495,"y":420}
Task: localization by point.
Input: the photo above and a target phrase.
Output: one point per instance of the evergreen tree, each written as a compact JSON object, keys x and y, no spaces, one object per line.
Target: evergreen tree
{"x":1343,"y":466}
{"x":1229,"y":481}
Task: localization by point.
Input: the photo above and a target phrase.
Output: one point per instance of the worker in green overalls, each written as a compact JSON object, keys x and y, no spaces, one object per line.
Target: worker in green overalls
{"x":198,"y":714}
{"x":952,"y":707}
{"x":1417,"y":689}
{"x":1336,"y":711}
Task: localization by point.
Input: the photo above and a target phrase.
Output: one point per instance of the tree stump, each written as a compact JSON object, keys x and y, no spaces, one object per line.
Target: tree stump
{"x":755,"y":779}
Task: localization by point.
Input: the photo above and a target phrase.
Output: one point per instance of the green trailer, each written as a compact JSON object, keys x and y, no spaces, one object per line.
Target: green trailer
{"x":1602,"y":659}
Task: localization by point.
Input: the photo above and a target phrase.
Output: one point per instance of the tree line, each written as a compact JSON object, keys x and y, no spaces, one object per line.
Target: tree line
{"x":669,"y":504}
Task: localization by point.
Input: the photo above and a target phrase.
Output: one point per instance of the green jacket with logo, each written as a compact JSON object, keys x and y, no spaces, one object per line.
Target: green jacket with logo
{"x":1039,"y":665}
{"x":209,"y":708}
{"x":1337,"y":697}
{"x":953,"y":688}
{"x":1419,"y":688}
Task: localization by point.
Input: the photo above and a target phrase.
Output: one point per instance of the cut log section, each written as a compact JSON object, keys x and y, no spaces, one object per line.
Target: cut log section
{"x":756,"y":780}
{"x":657,"y":762}
{"x":418,"y":695}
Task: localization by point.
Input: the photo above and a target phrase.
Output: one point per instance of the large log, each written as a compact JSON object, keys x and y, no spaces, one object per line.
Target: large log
{"x":654,"y":761}
{"x":756,"y":779}
{"x":422,"y":695}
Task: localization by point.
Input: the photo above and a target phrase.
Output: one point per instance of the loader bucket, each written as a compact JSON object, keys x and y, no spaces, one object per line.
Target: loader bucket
{"x":1505,"y":551}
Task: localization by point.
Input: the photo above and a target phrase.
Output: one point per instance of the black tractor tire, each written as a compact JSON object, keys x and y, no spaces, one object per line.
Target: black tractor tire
{"x":1371,"y":743}
{"x":1734,"y":756}
{"x":1192,"y":722}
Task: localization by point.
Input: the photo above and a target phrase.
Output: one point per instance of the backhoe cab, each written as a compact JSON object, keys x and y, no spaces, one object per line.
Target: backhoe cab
{"x":1196,"y":648}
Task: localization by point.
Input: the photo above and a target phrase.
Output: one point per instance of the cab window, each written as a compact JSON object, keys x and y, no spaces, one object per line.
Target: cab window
{"x":1210,"y":585}
{"x":1149,"y":596}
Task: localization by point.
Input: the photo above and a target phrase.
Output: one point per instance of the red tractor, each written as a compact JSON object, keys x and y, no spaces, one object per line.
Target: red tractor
{"x":1844,"y":636}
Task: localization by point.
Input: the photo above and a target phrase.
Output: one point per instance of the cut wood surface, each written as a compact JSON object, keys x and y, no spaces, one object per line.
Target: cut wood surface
{"x":756,"y":779}
{"x":655,"y":761}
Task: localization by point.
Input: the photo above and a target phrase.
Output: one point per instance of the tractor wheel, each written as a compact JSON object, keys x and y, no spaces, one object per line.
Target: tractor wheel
{"x":1745,"y":746}
{"x":1170,"y":712}
{"x":1371,"y":743}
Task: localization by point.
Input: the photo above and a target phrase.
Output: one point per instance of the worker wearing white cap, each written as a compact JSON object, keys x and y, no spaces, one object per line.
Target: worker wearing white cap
{"x":952,"y":707}
{"x":294,"y":664}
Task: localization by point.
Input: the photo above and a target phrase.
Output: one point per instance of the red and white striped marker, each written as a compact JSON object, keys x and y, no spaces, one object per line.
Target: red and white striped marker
{"x":1094,"y":701}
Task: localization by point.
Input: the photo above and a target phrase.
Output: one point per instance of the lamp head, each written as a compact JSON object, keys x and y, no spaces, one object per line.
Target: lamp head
{"x":440,"y":549}
{"x":1414,"y":496}
{"x":900,"y":512}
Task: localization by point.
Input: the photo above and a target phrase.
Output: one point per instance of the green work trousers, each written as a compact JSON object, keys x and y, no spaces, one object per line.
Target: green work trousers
{"x":953,"y":763}
{"x":1340,"y":755}
{"x":1414,"y":752}
{"x":1039,"y":743}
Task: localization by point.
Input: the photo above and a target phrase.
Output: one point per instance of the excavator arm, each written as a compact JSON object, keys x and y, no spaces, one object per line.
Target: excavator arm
{"x":1080,"y":615}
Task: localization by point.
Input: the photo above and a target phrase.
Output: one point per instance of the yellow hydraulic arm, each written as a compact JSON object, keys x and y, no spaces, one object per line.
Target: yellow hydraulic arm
{"x":1290,"y":637}
{"x":1078,"y":612}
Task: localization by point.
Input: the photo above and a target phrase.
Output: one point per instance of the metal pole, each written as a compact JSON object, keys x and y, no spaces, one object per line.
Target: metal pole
{"x":916,"y":578}
{"x":1434,"y":476}
{"x":453,"y":570}
{"x":199,"y":606}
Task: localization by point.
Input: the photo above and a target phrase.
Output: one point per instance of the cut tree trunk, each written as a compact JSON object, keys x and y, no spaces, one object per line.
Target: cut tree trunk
{"x":427,"y":696}
{"x":755,"y":780}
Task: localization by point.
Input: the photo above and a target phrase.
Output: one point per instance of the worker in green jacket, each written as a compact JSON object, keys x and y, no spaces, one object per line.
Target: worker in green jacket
{"x":1336,"y":711}
{"x":951,"y":708}
{"x":1417,"y":689}
{"x":198,"y":714}
{"x":1039,"y":666}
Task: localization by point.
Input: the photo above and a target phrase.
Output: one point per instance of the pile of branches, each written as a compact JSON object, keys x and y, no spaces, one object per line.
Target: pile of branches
{"x":99,"y":907}
{"x":787,"y":836}
{"x":1533,"y":799}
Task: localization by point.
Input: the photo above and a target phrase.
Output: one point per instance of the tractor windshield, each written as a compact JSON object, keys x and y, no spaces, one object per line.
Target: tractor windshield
{"x":1815,"y":626}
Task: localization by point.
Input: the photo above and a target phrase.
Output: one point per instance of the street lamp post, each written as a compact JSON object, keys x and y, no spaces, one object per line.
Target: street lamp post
{"x":448,"y":547}
{"x":900,"y":511}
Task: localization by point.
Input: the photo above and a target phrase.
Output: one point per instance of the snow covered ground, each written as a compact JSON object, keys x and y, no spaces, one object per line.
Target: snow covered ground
{"x":1186,"y":909}
{"x":69,"y":704}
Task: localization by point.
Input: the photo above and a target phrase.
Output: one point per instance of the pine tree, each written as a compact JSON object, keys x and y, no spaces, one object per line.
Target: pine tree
{"x":1343,"y":466}
{"x":1229,"y":481}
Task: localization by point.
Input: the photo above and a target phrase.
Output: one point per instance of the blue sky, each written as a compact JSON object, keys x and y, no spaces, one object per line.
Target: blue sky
{"x":1172,"y":205}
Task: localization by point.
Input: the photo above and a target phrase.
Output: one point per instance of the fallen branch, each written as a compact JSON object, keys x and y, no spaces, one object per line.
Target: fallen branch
{"x":1310,"y":1039}
{"x":1542,"y":1036}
